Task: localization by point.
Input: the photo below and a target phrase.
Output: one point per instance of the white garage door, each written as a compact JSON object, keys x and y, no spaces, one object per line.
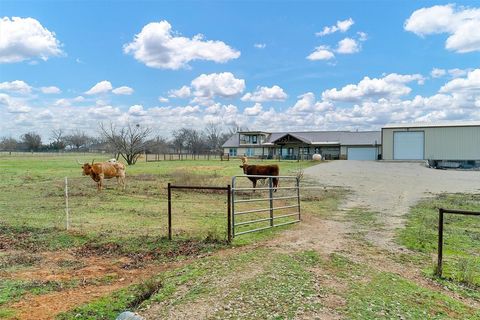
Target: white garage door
{"x":361,"y":153}
{"x":408,"y":145}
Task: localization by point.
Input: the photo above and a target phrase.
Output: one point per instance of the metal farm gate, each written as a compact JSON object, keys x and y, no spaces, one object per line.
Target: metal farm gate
{"x":261,"y":207}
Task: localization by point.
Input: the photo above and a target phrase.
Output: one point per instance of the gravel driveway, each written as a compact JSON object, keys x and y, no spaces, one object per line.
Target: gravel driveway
{"x":390,"y":188}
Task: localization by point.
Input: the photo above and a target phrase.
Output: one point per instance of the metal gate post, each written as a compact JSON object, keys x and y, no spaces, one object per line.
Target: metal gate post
{"x":440,"y":243}
{"x":169,"y":212}
{"x":234,"y":180}
{"x":229,"y":214}
{"x":298,"y":197}
{"x":270,"y":192}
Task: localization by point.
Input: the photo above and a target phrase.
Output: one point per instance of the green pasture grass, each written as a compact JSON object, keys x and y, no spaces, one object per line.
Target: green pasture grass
{"x":198,"y":276}
{"x":461,"y":237}
{"x":280,"y":285}
{"x":13,"y":290}
{"x":116,"y":222}
{"x":373,"y":294}
{"x":264,"y":284}
{"x":32,"y":195}
{"x":111,"y":306}
{"x":33,"y":217}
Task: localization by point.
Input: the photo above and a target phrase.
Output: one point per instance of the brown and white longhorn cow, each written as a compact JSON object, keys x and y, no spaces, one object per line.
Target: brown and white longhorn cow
{"x":260,"y":170}
{"x":105,"y":170}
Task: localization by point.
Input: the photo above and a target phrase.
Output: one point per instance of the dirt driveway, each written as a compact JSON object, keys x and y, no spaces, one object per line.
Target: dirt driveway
{"x":390,"y":188}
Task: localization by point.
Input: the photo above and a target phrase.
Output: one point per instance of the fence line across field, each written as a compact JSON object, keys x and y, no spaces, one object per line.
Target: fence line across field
{"x":153,"y":157}
{"x":271,"y":208}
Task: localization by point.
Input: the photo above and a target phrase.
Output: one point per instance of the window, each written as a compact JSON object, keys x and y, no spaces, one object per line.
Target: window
{"x":233,"y":152}
{"x":254,"y":139}
{"x":305,"y":150}
{"x":250,"y":152}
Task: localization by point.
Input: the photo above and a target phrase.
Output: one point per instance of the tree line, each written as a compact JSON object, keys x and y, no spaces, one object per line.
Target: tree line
{"x":127,"y":142}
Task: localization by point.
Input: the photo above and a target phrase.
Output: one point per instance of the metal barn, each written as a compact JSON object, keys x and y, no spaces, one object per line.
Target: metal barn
{"x":454,"y":141}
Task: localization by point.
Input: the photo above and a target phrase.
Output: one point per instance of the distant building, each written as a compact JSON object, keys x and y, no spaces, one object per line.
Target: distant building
{"x":449,"y":141}
{"x":362,"y":145}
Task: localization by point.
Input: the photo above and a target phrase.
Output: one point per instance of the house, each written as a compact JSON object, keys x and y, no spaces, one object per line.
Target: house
{"x":360,"y":145}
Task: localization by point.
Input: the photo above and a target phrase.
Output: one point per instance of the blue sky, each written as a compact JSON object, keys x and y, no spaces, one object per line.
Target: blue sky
{"x":262,"y":65}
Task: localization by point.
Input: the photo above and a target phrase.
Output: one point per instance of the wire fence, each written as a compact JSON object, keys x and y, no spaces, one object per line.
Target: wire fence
{"x":151,"y":157}
{"x":74,"y":203}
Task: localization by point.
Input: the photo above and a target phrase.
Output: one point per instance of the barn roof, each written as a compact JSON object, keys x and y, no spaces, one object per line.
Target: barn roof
{"x":433,"y":124}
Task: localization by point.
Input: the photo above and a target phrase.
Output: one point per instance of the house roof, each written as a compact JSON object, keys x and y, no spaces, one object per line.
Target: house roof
{"x":318,"y":138}
{"x":232,"y":142}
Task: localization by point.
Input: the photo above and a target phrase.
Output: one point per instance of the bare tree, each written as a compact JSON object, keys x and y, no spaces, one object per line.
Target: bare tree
{"x":77,"y":139}
{"x":58,"y":137}
{"x":32,"y":141}
{"x":189,"y":139}
{"x":157,"y":145}
{"x":129,"y":141}
{"x":235,"y":127}
{"x":195,"y":141}
{"x":8,"y":144}
{"x":213,"y":136}
{"x":179,"y":139}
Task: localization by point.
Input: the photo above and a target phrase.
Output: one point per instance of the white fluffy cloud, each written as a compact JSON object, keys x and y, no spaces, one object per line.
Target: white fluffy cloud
{"x":454,"y":73}
{"x":137,"y":110}
{"x":344,"y":46}
{"x":437,"y":73}
{"x":163,"y":99}
{"x":16,"y":86}
{"x":321,"y":53}
{"x":13,"y":105}
{"x":457,"y":73}
{"x":182,"y":93}
{"x":260,"y":45}
{"x":392,"y":85}
{"x":50,"y":90}
{"x":225,"y":85}
{"x":362,"y":36}
{"x":306,"y":103}
{"x":104,"y":112}
{"x":26,"y":39}
{"x":462,"y":24}
{"x":262,"y":94}
{"x":348,"y":46}
{"x":123,"y":90}
{"x":253,"y":111}
{"x":64,"y":102}
{"x":366,"y":105}
{"x":341,"y":26}
{"x":101,"y":87}
{"x":462,"y":85}
{"x":157,"y":46}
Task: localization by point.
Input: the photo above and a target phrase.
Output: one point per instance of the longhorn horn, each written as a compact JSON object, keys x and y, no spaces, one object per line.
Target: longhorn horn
{"x":93,"y":160}
{"x":79,"y":162}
